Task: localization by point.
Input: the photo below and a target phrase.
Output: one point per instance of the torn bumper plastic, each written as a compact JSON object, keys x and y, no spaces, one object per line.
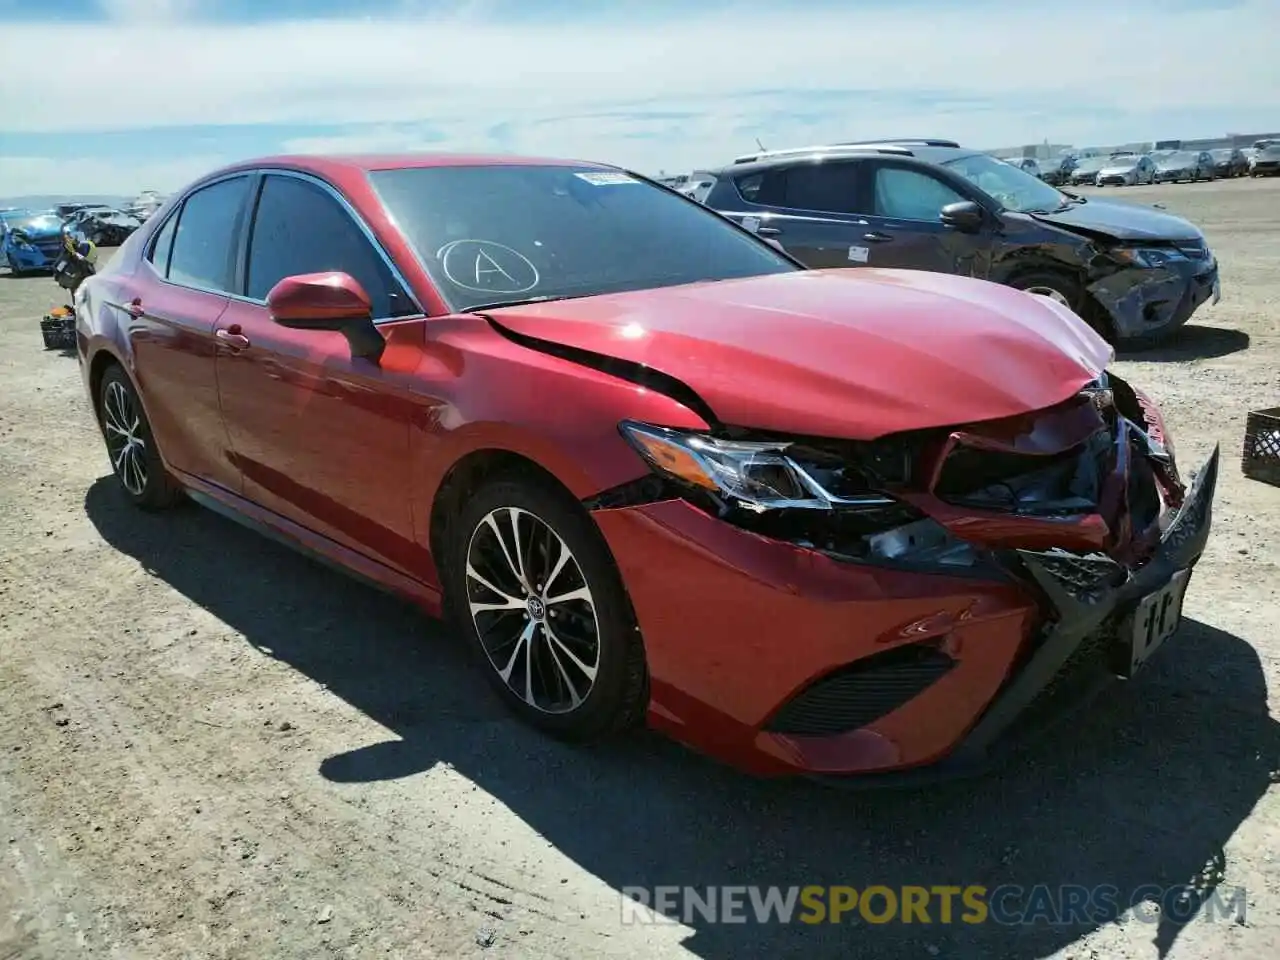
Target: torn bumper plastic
{"x":1086,"y":644}
{"x":1142,"y":302}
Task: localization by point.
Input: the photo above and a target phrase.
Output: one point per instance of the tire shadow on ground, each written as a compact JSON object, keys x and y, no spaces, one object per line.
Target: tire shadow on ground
{"x":1141,"y":794}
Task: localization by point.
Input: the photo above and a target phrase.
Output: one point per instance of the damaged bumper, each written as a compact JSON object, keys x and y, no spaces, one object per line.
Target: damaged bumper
{"x":1107,"y":621}
{"x":1048,"y":555}
{"x":1154,"y":301}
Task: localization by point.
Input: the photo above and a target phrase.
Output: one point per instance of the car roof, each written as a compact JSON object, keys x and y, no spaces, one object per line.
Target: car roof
{"x":905,"y":151}
{"x":366,"y":162}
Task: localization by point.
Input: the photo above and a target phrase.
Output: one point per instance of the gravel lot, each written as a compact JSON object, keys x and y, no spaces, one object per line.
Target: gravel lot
{"x":211,"y":747}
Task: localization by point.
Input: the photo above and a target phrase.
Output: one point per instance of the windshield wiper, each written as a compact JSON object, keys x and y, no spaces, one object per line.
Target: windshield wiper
{"x":496,"y":304}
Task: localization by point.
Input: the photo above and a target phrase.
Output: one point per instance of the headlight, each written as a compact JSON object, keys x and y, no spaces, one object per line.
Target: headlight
{"x":760,"y":476}
{"x":1148,"y":257}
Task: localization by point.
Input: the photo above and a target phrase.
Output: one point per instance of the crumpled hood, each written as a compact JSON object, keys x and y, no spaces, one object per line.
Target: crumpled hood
{"x":1118,"y":168}
{"x":853,"y":353}
{"x":1123,"y":221}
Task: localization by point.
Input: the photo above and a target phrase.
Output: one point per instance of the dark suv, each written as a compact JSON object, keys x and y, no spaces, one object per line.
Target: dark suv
{"x":1133,"y":272}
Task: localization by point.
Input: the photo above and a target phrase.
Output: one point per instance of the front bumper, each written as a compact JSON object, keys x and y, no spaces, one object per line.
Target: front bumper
{"x":1116,"y":179}
{"x":1143,"y":301}
{"x":738,"y":628}
{"x":1265,"y":169}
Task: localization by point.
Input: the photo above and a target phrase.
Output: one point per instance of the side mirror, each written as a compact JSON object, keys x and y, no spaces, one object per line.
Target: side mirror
{"x":328,"y":301}
{"x":965,"y":216}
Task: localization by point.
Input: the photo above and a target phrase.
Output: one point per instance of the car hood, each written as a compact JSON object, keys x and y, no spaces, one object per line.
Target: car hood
{"x":852,"y":353}
{"x":1122,"y":221}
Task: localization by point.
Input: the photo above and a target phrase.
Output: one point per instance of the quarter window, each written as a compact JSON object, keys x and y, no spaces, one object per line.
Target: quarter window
{"x":299,"y":228}
{"x":204,"y":245}
{"x":163,"y":244}
{"x":911,"y":195}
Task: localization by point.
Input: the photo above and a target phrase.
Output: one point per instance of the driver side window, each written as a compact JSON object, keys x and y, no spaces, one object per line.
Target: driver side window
{"x":911,"y":195}
{"x":299,"y":228}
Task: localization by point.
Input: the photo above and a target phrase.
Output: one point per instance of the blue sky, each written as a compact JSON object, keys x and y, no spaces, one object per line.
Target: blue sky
{"x":151,"y":93}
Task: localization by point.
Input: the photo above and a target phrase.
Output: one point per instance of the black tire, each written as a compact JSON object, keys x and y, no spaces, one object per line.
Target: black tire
{"x":617,"y":697}
{"x":141,"y":475}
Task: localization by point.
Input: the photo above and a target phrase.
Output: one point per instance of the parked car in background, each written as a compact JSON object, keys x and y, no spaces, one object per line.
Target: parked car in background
{"x":1127,"y":170}
{"x":1086,"y":171}
{"x":1229,"y":162}
{"x":1266,"y":162}
{"x":1189,"y":165}
{"x":1057,"y":170}
{"x":104,"y":226}
{"x":66,"y":210}
{"x":30,"y":241}
{"x":1026,"y":164}
{"x":519,"y":392}
{"x":1137,"y":274}
{"x":145,"y":204}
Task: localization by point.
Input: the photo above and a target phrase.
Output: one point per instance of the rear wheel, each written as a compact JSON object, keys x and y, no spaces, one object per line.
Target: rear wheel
{"x":544,"y":608}
{"x":131,"y":447}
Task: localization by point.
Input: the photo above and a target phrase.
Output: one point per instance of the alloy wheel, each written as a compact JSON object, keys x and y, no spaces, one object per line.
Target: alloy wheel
{"x":533,"y":610}
{"x":1055,"y":295}
{"x":122,"y":429}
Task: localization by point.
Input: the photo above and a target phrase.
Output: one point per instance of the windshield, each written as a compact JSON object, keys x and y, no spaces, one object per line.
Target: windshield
{"x":1180,"y":157}
{"x":492,"y":234}
{"x":1222,"y":154}
{"x":1092,"y":164}
{"x":1015,"y":189}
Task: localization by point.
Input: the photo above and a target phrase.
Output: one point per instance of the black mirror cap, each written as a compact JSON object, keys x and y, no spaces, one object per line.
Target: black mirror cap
{"x":965,"y":216}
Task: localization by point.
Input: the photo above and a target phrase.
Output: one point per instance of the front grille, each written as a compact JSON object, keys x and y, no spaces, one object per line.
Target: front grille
{"x":862,"y":692}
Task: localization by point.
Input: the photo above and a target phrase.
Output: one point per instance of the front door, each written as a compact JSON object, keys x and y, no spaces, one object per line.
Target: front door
{"x":905,"y":229}
{"x":321,"y":438}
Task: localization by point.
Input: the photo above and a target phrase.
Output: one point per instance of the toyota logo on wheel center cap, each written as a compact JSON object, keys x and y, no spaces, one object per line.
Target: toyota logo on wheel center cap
{"x":537,"y":610}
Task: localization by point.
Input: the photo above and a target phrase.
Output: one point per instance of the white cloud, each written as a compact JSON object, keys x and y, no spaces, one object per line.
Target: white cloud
{"x":148,"y":11}
{"x":1008,"y":74}
{"x":24,"y":176}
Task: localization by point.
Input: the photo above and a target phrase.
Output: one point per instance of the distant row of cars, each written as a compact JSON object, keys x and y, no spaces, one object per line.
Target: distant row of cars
{"x":1130,"y":168}
{"x":31,"y":240}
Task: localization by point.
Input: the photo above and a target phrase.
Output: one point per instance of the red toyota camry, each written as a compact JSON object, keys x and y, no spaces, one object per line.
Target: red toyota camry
{"x":867,"y":524}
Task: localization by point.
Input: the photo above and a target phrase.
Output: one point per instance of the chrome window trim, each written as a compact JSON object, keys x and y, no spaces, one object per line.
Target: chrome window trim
{"x":327,"y":188}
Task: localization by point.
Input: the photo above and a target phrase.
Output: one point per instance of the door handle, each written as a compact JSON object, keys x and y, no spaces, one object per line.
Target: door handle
{"x":768,"y":231}
{"x":134,"y":309}
{"x":875,"y":236}
{"x":236,"y":341}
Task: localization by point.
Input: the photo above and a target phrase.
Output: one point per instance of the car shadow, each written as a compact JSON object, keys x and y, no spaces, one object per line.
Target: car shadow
{"x":1192,"y":342}
{"x":1145,"y":791}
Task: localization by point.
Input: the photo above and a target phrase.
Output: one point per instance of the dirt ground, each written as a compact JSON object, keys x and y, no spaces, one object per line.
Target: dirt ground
{"x":212,"y":747}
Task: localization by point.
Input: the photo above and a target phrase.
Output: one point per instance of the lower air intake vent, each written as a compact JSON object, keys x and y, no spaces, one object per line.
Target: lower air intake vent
{"x":862,"y":692}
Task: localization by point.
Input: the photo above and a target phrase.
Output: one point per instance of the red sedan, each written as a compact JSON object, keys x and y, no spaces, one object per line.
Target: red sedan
{"x":844,"y":522}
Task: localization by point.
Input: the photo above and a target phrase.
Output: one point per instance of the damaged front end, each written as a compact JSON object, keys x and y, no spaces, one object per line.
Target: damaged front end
{"x":1081,"y":505}
{"x":1150,"y":290}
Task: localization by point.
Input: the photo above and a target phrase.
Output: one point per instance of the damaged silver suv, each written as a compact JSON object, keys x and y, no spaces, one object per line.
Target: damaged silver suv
{"x":1134,"y":273}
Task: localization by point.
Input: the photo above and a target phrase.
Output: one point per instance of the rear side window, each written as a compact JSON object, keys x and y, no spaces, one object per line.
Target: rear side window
{"x":204,"y":244}
{"x":823,"y":187}
{"x":911,"y":195}
{"x":300,"y":228}
{"x":162,"y":245}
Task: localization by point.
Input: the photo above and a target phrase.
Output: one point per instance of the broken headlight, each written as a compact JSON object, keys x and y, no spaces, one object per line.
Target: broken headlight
{"x":1148,"y":257}
{"x":797,"y":494}
{"x":759,"y":476}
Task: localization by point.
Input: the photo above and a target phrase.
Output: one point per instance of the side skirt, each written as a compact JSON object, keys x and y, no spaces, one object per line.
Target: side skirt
{"x":311,"y":544}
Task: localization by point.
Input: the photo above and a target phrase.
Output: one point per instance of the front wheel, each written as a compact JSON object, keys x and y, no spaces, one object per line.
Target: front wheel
{"x":1056,"y":286}
{"x":544,"y":608}
{"x":135,"y":460}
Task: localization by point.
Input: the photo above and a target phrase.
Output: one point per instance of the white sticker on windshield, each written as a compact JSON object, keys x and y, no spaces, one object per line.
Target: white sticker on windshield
{"x":605,"y":178}
{"x":859,"y":254}
{"x":751,"y":223}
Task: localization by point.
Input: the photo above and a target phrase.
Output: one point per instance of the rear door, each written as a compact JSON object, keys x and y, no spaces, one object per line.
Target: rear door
{"x":321,"y":437}
{"x":172,"y":305}
{"x":810,"y":209}
{"x":905,"y":229}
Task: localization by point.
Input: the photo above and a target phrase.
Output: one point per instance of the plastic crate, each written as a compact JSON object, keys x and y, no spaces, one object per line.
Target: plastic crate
{"x":1261,"y":459}
{"x":59,"y":332}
